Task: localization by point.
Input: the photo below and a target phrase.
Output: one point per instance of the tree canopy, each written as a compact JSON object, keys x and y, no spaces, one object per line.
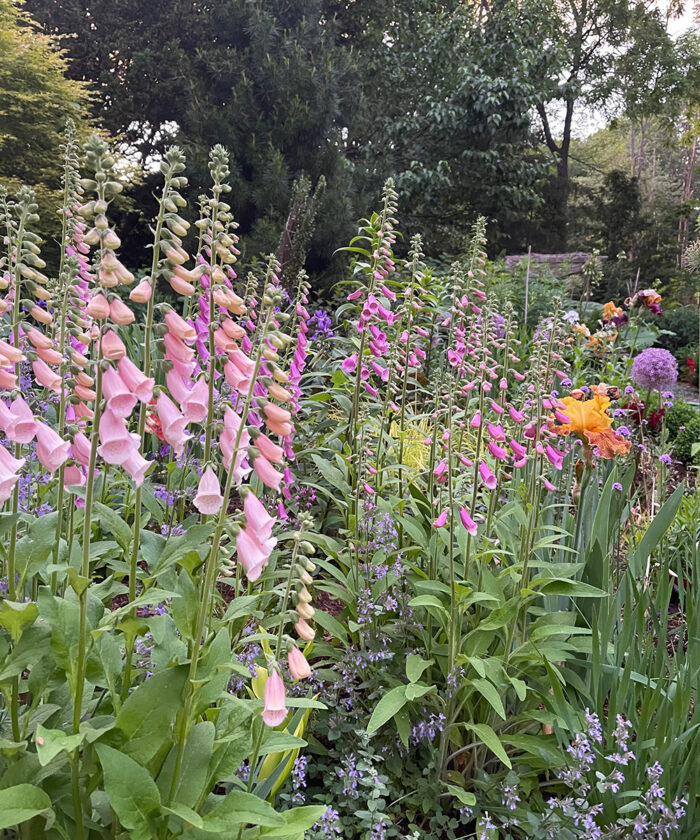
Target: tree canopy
{"x":471,"y":108}
{"x":36,"y":98}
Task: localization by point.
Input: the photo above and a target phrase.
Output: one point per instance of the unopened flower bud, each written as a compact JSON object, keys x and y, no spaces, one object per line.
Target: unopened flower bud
{"x":305,"y":631}
{"x":304,"y":596}
{"x":305,"y":610}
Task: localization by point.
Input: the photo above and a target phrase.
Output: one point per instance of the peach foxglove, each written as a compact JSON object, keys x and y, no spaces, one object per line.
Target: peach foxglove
{"x":120,"y":399}
{"x":22,"y":427}
{"x":299,"y":667}
{"x":141,"y":293}
{"x":140,"y":385}
{"x":208,"y":499}
{"x":112,"y":346}
{"x":51,"y":449}
{"x":274,"y":696}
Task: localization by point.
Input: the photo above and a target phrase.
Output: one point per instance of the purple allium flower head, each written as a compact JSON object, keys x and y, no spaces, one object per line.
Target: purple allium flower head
{"x":655,"y":368}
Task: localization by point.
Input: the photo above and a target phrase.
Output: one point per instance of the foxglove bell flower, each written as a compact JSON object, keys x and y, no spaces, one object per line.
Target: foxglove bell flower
{"x":21,"y":428}
{"x":299,"y":667}
{"x":208,"y":499}
{"x":120,"y":399}
{"x":140,"y":385}
{"x":51,"y":449}
{"x":468,"y":522}
{"x":45,"y":376}
{"x":9,"y":468}
{"x":116,"y":442}
{"x":487,"y":476}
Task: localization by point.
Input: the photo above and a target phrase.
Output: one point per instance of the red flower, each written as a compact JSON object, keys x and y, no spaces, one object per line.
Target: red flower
{"x":153,"y":423}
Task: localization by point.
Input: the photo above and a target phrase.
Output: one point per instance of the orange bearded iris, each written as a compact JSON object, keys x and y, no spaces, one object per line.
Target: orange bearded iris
{"x":589,"y":421}
{"x":610,"y":311}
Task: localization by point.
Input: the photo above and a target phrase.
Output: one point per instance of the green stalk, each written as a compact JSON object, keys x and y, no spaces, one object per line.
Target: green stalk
{"x":133,"y":565}
{"x":209,"y":579}
{"x":288,"y":591}
{"x":212,"y":344}
{"x":61,"y":425}
{"x":11,"y":588}
{"x":85,"y":563}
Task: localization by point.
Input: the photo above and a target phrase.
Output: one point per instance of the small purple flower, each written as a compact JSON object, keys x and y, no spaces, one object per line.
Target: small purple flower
{"x":665,"y":459}
{"x":299,"y":780}
{"x":329,"y":824}
{"x":595,"y":731}
{"x":617,"y":486}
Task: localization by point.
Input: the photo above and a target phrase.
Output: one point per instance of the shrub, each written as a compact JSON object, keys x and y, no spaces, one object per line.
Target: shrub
{"x":679,"y":415}
{"x":686,"y":437}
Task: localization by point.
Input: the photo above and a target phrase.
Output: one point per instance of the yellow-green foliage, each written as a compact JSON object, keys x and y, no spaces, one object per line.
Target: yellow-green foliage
{"x":36,"y":98}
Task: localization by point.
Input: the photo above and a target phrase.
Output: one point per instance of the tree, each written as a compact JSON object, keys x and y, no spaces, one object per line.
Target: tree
{"x":449,"y":93}
{"x":607,"y":48}
{"x":264,"y":79}
{"x":36,"y":98}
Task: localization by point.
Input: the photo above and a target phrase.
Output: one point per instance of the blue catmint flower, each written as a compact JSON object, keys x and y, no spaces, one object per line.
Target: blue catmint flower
{"x":595,"y":731}
{"x":299,"y":780}
{"x":329,"y":824}
{"x":509,"y":797}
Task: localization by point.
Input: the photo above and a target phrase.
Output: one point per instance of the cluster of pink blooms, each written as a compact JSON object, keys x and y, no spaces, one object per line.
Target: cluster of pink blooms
{"x":375,"y":316}
{"x":217,"y":360}
{"x":298,"y":362}
{"x":505,"y":433}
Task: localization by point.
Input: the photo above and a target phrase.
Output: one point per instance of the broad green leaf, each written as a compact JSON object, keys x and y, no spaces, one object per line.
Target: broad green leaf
{"x":570,"y":588}
{"x":403,"y":725}
{"x":427,"y":601}
{"x":147,"y":716}
{"x":304,"y":703}
{"x":177,"y":547}
{"x":130,"y":789}
{"x":195,"y":764}
{"x":500,"y":616}
{"x":520,"y":687}
{"x":416,"y":690}
{"x":16,"y":615}
{"x":279,"y":741}
{"x":51,"y":742}
{"x":490,"y":693}
{"x":463,"y":796}
{"x":24,"y":802}
{"x":33,"y":549}
{"x":418,"y":535}
{"x":296,"y":821}
{"x":240,"y":808}
{"x":187,"y":815}
{"x":386,"y":708}
{"x":491,"y":740}
{"x":243,"y":605}
{"x":331,"y":625}
{"x":332,"y":475}
{"x":415,"y":665}
{"x":112,"y":523}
